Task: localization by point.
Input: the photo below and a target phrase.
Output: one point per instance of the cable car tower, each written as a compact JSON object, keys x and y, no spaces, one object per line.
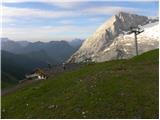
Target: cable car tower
{"x":136,"y":31}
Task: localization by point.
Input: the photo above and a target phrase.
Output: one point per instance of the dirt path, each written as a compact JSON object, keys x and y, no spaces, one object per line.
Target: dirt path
{"x":51,"y":72}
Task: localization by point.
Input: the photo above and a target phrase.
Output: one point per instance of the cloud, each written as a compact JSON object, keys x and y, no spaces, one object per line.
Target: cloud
{"x":108,"y":10}
{"x":59,"y":3}
{"x":46,"y":33}
{"x":37,"y":13}
{"x":6,"y":20}
{"x":66,"y":22}
{"x":95,"y":19}
{"x":66,"y":5}
{"x":12,"y":12}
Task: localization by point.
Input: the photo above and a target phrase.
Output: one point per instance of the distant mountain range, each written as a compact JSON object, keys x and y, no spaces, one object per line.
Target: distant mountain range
{"x":55,"y":52}
{"x":21,"y":57}
{"x":76,"y":43}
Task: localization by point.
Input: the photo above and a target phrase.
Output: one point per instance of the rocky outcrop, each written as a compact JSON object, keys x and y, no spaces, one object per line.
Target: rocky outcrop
{"x":109,"y":38}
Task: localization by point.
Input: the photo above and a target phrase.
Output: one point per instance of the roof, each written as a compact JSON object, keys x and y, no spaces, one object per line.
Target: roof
{"x":38,"y":71}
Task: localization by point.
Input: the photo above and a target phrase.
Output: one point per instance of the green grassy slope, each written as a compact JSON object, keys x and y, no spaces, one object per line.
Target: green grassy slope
{"x":115,"y":89}
{"x":8,"y":80}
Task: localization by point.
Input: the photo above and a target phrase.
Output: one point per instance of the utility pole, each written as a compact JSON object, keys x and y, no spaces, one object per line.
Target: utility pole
{"x":136,"y":43}
{"x":136,"y":31}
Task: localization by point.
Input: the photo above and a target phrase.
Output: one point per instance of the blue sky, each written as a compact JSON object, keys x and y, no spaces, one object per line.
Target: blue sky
{"x":46,"y":20}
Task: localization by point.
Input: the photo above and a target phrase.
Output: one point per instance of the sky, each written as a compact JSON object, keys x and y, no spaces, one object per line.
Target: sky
{"x":49,"y":20}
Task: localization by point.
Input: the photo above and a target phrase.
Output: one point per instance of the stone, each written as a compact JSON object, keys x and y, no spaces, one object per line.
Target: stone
{"x":53,"y":106}
{"x":83,"y":113}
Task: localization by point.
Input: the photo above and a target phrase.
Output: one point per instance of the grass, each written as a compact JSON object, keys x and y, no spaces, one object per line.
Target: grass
{"x":7,"y":80}
{"x":115,"y":89}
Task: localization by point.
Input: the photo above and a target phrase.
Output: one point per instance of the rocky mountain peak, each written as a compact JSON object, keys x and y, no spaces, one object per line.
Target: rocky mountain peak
{"x":107,"y":33}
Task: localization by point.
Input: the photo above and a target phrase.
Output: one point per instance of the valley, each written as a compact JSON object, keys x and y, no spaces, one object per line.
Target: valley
{"x":22,"y":57}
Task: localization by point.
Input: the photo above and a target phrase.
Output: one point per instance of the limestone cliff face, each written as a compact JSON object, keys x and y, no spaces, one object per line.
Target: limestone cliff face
{"x":108,"y":37}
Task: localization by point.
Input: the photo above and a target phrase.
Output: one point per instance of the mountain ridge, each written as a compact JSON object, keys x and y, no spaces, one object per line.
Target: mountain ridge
{"x":105,"y":35}
{"x":65,"y":50}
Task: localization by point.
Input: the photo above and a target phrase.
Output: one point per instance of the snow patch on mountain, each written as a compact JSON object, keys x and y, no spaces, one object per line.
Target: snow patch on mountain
{"x":109,"y":39}
{"x":147,"y":40}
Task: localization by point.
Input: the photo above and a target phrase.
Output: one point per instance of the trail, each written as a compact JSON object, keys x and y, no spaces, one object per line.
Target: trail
{"x":53,"y":71}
